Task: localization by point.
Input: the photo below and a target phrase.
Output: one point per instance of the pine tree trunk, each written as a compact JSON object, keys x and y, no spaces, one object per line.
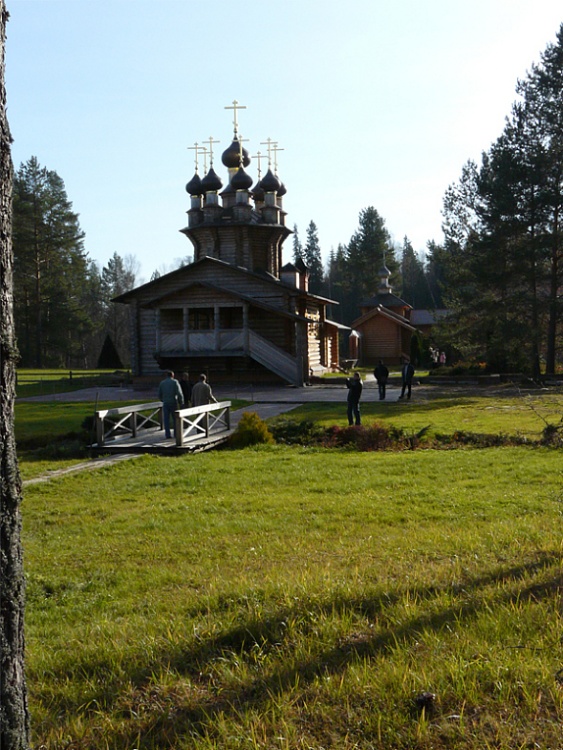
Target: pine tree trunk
{"x":14,"y":717}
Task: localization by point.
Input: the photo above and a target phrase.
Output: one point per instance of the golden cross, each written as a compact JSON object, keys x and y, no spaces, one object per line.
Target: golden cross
{"x":204,"y":152}
{"x":268,"y":143}
{"x":241,"y":140}
{"x":259,"y":156}
{"x":275,"y":149}
{"x":236,"y":106}
{"x":211,"y":141}
{"x":197,"y":149}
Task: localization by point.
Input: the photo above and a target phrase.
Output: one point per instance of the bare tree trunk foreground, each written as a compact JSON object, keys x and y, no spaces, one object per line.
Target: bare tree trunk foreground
{"x":14,"y":717}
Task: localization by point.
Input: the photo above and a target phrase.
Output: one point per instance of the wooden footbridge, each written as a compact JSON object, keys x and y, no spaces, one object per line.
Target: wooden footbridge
{"x":140,"y":429}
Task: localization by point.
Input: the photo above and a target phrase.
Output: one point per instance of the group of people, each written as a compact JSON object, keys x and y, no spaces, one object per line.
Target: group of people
{"x":177,"y":393}
{"x":381,"y":373}
{"x":438,"y":357}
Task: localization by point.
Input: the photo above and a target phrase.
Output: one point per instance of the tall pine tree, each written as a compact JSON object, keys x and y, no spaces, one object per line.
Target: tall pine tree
{"x":313,"y":259}
{"x":50,"y":270}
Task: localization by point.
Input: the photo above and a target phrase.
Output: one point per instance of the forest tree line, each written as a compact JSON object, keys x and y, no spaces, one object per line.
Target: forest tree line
{"x":498,"y":271}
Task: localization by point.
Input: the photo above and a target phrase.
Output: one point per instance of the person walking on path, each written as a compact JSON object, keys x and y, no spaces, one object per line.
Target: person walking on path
{"x":407,"y":374}
{"x":202,"y":393}
{"x":381,"y":374}
{"x":170,"y":393}
{"x":186,"y":387}
{"x":354,"y":386}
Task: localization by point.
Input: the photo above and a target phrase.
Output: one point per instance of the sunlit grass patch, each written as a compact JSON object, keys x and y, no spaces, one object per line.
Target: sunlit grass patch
{"x":233,"y":598}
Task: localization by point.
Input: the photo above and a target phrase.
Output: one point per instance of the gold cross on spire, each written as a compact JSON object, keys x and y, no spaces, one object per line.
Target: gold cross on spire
{"x":241,"y":140}
{"x":197,"y":149}
{"x":211,"y":141}
{"x":259,"y":155}
{"x":275,"y":149}
{"x":270,"y":144}
{"x":234,"y":107}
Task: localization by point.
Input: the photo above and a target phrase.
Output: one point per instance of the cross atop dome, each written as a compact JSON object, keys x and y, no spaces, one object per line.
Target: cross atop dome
{"x":235,"y":106}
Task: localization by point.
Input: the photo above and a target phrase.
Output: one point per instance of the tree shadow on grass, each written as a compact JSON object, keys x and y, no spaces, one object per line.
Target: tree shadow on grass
{"x":196,"y":714}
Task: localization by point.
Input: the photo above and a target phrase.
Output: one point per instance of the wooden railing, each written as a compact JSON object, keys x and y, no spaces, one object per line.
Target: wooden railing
{"x":201,"y":421}
{"x":274,"y":358}
{"x":127,"y":420}
{"x":190,"y":423}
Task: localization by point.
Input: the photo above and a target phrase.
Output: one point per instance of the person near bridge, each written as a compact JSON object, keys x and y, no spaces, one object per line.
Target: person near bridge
{"x":170,"y":393}
{"x":202,"y":393}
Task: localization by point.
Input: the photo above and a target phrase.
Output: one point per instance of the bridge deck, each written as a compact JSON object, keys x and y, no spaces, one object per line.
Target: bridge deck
{"x":154,"y":441}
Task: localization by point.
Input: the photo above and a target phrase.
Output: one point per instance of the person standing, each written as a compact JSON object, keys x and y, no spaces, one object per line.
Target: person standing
{"x":354,"y":386}
{"x":186,"y":387}
{"x":170,"y":393}
{"x":202,"y":393}
{"x":381,"y":373}
{"x":407,"y":374}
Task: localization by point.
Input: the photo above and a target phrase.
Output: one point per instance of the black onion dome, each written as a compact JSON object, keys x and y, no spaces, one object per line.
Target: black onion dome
{"x":282,"y":191}
{"x":211,"y":181}
{"x":194,"y":186}
{"x":241,"y":180}
{"x":384,"y":271}
{"x":258,"y":191}
{"x":231,"y":156}
{"x":270,"y":182}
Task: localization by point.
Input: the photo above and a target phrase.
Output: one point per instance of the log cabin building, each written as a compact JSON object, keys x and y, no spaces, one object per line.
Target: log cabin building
{"x":236,"y":312}
{"x":385,"y":326}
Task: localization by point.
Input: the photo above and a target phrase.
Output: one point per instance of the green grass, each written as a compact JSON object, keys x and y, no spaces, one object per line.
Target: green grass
{"x":50,"y":436}
{"x":48,"y":382}
{"x":298,"y":598}
{"x":493,"y":412}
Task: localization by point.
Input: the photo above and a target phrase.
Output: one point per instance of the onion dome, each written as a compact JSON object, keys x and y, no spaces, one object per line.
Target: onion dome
{"x":282,"y":191}
{"x":231,"y":156}
{"x":241,"y":180}
{"x":270,"y":182}
{"x":211,"y":181}
{"x":194,"y":186}
{"x":258,"y":191}
{"x":384,"y":271}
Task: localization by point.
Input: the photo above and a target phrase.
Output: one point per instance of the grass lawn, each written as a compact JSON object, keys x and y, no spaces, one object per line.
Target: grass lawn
{"x":295,"y":598}
{"x":492,"y":411}
{"x":49,"y":382}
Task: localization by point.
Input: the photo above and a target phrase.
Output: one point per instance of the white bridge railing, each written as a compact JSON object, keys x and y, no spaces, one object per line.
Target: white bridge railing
{"x":190,"y":423}
{"x":201,"y":421}
{"x":127,"y":421}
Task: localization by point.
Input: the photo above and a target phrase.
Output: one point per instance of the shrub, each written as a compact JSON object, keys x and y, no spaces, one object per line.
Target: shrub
{"x":552,"y":434}
{"x":373,"y":437}
{"x":251,"y":430}
{"x":297,"y":432}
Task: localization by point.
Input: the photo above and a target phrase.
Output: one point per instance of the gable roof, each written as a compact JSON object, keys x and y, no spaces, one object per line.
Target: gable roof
{"x":380,"y":310}
{"x":188,"y":270}
{"x":385,"y":300}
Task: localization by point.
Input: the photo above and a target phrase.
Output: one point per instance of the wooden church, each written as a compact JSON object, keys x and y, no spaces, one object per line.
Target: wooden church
{"x":236,"y":312}
{"x":385,"y":326}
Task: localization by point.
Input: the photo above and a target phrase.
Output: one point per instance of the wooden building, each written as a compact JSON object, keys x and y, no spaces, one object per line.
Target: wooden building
{"x":235,"y":312}
{"x":384,"y":329}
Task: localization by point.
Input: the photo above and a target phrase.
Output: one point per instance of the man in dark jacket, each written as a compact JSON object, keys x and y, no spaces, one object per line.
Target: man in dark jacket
{"x":354,"y":386}
{"x":407,"y":374}
{"x":381,"y":374}
{"x":170,"y":393}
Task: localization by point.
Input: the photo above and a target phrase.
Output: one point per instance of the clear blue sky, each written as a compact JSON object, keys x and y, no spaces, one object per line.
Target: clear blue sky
{"x":375,"y":102}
